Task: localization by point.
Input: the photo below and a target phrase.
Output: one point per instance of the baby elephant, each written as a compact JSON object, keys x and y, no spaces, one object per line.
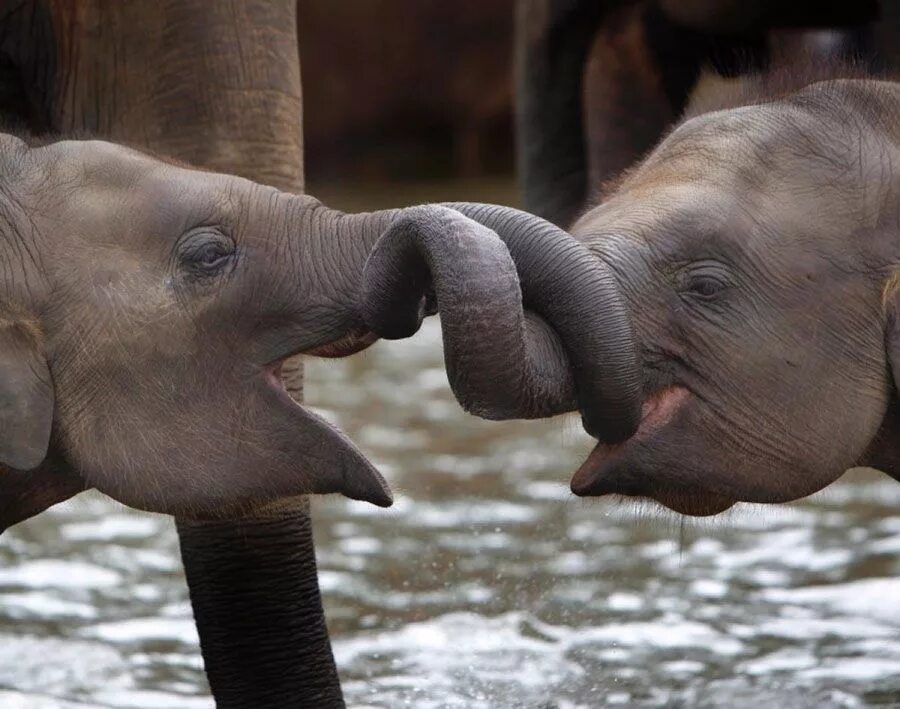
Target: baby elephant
{"x":148,"y":307}
{"x":759,"y":250}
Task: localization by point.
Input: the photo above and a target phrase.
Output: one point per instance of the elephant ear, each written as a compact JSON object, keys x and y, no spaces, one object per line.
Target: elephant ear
{"x":26,"y":398}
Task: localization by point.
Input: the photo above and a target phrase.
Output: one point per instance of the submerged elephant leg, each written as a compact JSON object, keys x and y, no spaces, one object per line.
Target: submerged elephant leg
{"x":255,"y":590}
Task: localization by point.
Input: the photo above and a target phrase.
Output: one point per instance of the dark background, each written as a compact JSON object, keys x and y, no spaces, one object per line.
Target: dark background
{"x":405,"y":89}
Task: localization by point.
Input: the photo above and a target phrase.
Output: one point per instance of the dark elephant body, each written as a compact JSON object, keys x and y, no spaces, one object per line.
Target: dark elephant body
{"x":598,"y":83}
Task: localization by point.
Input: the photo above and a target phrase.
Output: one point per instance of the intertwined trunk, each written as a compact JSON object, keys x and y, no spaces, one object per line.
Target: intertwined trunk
{"x":533,"y":324}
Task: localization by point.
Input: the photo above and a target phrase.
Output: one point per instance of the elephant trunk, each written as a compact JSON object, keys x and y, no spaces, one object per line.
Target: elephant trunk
{"x":564,"y":284}
{"x":533,"y":325}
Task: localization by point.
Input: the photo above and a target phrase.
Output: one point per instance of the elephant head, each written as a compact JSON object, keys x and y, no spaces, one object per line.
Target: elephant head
{"x":758,"y":249}
{"x":149,"y":307}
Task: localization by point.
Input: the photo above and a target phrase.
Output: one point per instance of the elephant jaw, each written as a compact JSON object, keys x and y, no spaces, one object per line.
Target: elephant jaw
{"x":613,"y":469}
{"x":329,"y":462}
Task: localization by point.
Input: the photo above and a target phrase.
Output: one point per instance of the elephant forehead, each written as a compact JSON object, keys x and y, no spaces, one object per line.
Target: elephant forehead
{"x":109,"y":183}
{"x":671,"y":214}
{"x":720,"y":139}
{"x":750,"y":149}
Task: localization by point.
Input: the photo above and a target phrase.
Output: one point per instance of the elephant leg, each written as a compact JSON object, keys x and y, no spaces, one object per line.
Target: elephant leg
{"x":552,"y":41}
{"x":216,"y":85}
{"x":256,"y":594}
{"x":597,"y":83}
{"x":591,"y":95}
{"x":15,"y":109}
{"x":627,"y":102}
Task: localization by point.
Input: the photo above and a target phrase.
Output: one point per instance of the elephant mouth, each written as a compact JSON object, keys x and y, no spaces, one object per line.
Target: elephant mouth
{"x":272,"y":375}
{"x":355,"y":341}
{"x":611,"y":469}
{"x":344,"y":468}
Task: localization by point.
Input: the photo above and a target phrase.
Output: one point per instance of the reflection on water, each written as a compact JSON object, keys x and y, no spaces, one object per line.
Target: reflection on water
{"x":487,"y":584}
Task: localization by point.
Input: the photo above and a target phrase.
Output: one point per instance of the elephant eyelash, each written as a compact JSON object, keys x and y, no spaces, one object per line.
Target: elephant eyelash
{"x":206,"y":253}
{"x":703,"y":281}
{"x":706,"y":287}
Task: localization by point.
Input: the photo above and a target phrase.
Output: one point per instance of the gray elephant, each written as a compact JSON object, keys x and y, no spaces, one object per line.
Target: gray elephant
{"x":757,"y":246}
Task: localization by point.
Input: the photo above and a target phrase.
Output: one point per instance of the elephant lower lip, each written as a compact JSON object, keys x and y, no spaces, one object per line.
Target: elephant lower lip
{"x":605,"y":471}
{"x":695,"y":503}
{"x":355,"y":341}
{"x":348,"y":472}
{"x":272,"y":374}
{"x":593,"y":478}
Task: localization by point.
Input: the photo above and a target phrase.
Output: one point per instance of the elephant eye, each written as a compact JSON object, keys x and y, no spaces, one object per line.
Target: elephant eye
{"x":706,"y":287}
{"x":206,"y":253}
{"x":210,"y":255}
{"x":704,"y":280}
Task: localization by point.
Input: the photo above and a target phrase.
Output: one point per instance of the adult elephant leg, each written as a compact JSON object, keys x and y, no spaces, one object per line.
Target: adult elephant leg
{"x":216,"y":85}
{"x":552,"y":41}
{"x":594,"y":91}
{"x":258,"y":609}
{"x":591,"y":96}
{"x":626,"y":104}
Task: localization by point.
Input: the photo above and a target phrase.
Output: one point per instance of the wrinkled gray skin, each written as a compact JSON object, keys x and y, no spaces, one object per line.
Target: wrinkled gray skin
{"x":756,"y":247}
{"x":149,"y":307}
